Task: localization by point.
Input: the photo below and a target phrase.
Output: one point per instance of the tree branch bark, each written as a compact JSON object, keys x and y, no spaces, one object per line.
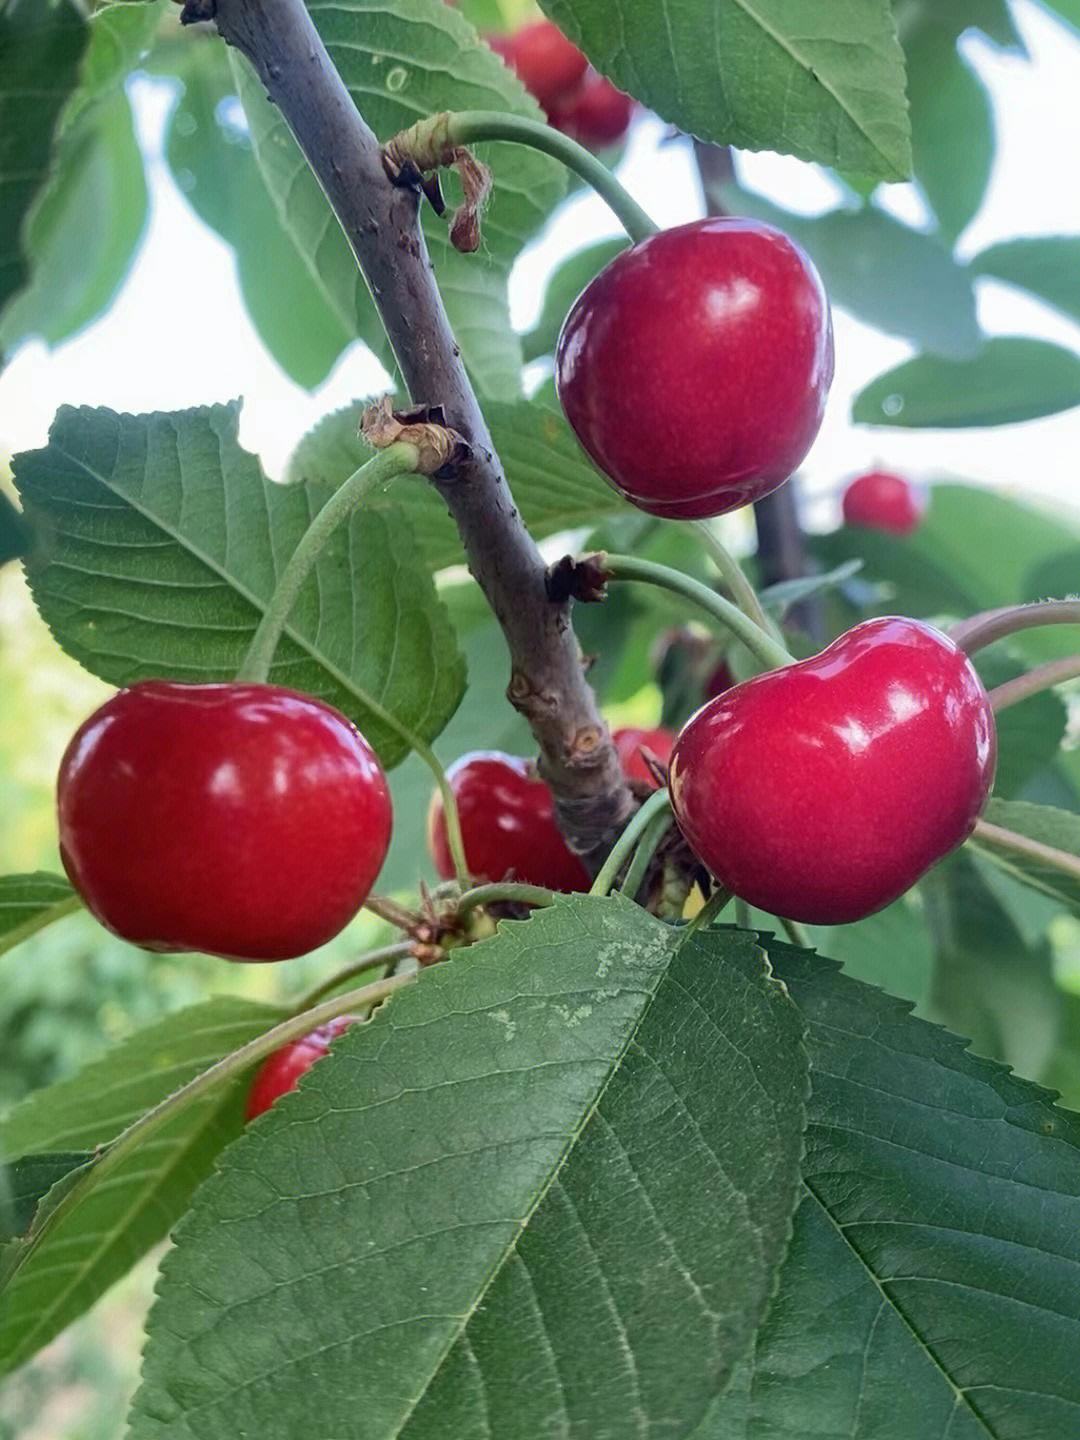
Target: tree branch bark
{"x":381,"y":222}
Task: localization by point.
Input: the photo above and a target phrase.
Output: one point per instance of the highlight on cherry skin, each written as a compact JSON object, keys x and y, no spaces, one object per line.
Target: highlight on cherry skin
{"x":823,"y":791}
{"x":880,"y":500}
{"x":695,"y":367}
{"x":282,"y":1071}
{"x":243,"y":820}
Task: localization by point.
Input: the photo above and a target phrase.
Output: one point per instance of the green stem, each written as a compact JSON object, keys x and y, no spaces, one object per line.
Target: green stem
{"x":717,"y":902}
{"x":398,"y":459}
{"x":734,"y":577}
{"x":743,"y":918}
{"x":982,"y":630}
{"x":471,"y":127}
{"x":620,"y":851}
{"x":1043,"y":677}
{"x":655,"y":831}
{"x":795,"y":933}
{"x":508,"y":891}
{"x":997,"y":837}
{"x":770,"y":652}
{"x":385,"y":956}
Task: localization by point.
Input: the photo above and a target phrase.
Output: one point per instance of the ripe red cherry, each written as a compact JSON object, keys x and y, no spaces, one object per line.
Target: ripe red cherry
{"x":546,"y":62}
{"x":628,"y":745}
{"x":694,"y":369}
{"x":282,"y":1071}
{"x":880,"y":501}
{"x":597,"y":114}
{"x":508,"y":825}
{"x":246,"y":821}
{"x":823,"y":791}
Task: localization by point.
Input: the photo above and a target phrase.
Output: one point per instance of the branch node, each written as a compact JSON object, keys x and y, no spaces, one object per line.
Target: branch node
{"x":441,"y":449}
{"x":426,"y":146}
{"x":585,"y":579}
{"x":195,"y":12}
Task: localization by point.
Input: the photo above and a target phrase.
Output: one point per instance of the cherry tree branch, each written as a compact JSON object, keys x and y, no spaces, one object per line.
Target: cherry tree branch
{"x":381,"y":223}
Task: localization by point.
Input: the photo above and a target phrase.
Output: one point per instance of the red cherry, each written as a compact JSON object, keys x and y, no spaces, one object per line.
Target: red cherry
{"x":246,"y":821}
{"x":597,"y":115}
{"x":880,"y":501}
{"x":546,"y":62}
{"x":508,"y":825}
{"x":282,"y":1071}
{"x":694,"y":368}
{"x":720,"y":678}
{"x":629,"y":743}
{"x":823,"y":791}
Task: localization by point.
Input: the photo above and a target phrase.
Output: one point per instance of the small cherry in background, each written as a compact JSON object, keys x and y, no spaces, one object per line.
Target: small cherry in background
{"x":508,"y":825}
{"x":695,"y":367}
{"x":822,"y":792}
{"x":596,"y":115}
{"x":882,"y":501}
{"x":545,"y":61}
{"x":630,"y":743}
{"x":246,"y":821}
{"x":282,"y":1071}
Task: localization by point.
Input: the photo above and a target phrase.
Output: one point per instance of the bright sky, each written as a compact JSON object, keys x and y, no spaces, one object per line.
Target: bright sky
{"x":179,"y":335}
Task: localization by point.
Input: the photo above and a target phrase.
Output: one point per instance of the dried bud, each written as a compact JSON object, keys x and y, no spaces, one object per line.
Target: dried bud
{"x":585,"y":580}
{"x":441,"y":449}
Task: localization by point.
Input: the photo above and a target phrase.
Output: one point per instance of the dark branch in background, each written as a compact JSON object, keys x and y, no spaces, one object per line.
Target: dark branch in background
{"x":547,"y":682}
{"x":781,"y":553}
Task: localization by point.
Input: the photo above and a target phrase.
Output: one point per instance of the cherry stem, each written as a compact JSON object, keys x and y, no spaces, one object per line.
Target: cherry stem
{"x":734,"y":577}
{"x":393,"y":913}
{"x":998,"y":837}
{"x":472,"y":127}
{"x":509,"y":892}
{"x":1043,"y":677}
{"x":634,"y":831}
{"x":654,"y":832}
{"x":717,"y":902}
{"x":796,"y":933}
{"x":743,"y":917}
{"x":385,"y":956}
{"x":982,"y":630}
{"x":770,"y":652}
{"x":228,"y":1068}
{"x":398,"y":459}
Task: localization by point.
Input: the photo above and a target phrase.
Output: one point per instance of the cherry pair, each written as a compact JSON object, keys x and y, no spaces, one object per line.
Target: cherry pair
{"x":577,"y":100}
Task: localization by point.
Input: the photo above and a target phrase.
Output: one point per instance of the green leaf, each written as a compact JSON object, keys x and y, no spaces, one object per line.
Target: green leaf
{"x":25,"y":1184}
{"x":1050,"y":860}
{"x":1047,"y":266}
{"x":952,"y":127}
{"x":779,"y":598}
{"x":30,"y":902}
{"x":74,"y":1257}
{"x":41,"y":46}
{"x":929,"y":298}
{"x":83,"y":234}
{"x":1067,"y":10}
{"x":14,"y":532}
{"x":214,"y":165}
{"x":1012,"y":379}
{"x":165,"y":543}
{"x":824,"y":82}
{"x":1030,"y":733}
{"x":929,"y":1288}
{"x":553,"y":484}
{"x":401,"y":61}
{"x":494,"y":1189}
{"x":567,"y":282}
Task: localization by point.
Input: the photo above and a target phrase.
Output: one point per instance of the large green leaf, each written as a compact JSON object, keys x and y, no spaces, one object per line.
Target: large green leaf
{"x":929,"y":298}
{"x":1050,"y":863}
{"x":1012,"y":379}
{"x":165,"y":542}
{"x":41,"y":46}
{"x":824,"y":82}
{"x":30,"y":902}
{"x":553,"y":484}
{"x":62,"y":1267}
{"x":565,"y":285}
{"x":930,"y":1287}
{"x":483,"y":1213}
{"x":1047,"y":266}
{"x":1029,"y":733}
{"x":25,"y":1184}
{"x":401,"y":61}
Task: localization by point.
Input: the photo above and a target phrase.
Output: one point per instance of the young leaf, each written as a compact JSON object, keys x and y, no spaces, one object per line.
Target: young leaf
{"x":552,"y":482}
{"x":1036,"y":844}
{"x":41,"y":47}
{"x":824,"y":82}
{"x":930,"y":1285}
{"x":65,"y":1266}
{"x":1012,"y":379}
{"x":1046,"y":266}
{"x":166,"y":542}
{"x":30,"y":902}
{"x":549,"y":1185}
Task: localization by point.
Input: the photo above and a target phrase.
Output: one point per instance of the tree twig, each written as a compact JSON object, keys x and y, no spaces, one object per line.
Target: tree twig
{"x":381,"y":222}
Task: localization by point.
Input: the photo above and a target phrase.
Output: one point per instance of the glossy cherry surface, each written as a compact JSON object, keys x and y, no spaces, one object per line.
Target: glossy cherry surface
{"x":546,"y":62}
{"x":823,"y":791}
{"x":282,"y":1071}
{"x":508,"y":825}
{"x":630,"y":742}
{"x":596,"y":115}
{"x":694,"y":369}
{"x":247,"y":821}
{"x":880,"y":501}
